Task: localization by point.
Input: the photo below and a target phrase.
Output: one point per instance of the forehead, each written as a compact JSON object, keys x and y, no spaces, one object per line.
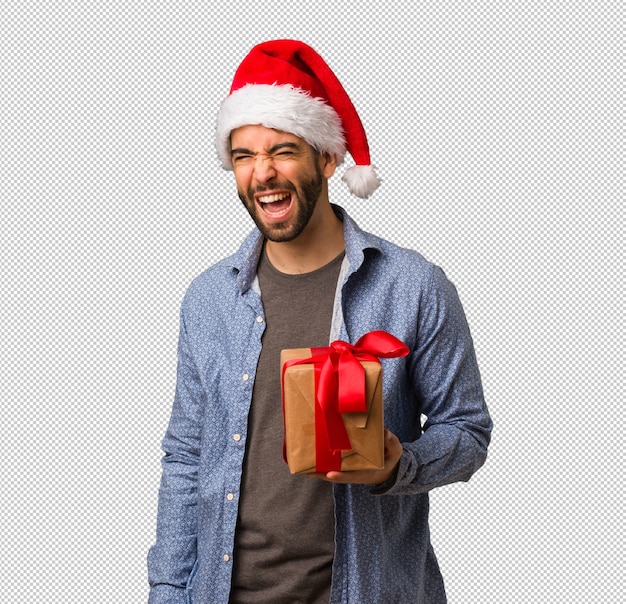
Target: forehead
{"x":260,"y":138}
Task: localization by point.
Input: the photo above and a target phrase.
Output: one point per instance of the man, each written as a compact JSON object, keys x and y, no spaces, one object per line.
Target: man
{"x":233,"y":524}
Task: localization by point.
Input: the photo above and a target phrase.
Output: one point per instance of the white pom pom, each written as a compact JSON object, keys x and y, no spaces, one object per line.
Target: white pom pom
{"x":361,"y":180}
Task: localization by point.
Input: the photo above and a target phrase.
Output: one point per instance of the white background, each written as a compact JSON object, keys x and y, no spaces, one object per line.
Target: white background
{"x":498,"y":128}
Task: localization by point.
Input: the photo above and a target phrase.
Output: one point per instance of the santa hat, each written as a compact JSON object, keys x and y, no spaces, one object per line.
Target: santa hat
{"x":287,"y":86}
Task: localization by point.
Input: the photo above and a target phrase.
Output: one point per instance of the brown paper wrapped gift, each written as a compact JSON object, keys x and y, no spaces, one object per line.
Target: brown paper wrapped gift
{"x":332,"y":404}
{"x":365,"y":430}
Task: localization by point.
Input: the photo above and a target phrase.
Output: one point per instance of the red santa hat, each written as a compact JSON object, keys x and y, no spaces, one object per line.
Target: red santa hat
{"x":287,"y":86}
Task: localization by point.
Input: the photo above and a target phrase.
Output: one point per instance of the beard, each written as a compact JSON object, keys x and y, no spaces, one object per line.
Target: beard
{"x":307,"y":193}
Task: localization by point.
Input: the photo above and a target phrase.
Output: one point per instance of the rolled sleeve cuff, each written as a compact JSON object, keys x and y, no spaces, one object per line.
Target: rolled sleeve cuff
{"x":404,"y":476}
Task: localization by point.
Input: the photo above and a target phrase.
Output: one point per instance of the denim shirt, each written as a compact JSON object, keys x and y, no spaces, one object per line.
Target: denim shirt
{"x":383,"y":551}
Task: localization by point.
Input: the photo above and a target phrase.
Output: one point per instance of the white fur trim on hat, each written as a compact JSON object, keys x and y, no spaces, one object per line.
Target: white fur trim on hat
{"x":282,"y":108}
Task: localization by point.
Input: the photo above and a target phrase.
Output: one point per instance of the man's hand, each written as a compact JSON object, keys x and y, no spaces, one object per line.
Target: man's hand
{"x":393,"y":453}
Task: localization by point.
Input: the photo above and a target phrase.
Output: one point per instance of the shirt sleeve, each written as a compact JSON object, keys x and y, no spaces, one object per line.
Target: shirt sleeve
{"x":446,"y":380}
{"x":172,"y":557}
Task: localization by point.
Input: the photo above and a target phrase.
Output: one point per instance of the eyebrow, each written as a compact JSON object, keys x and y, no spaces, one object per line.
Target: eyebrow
{"x":277,"y":147}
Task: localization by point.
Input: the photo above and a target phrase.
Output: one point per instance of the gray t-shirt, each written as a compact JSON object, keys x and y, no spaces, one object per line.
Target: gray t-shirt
{"x":284,"y":541}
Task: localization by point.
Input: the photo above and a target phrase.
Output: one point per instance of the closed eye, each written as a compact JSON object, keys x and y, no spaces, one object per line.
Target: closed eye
{"x":282,"y":151}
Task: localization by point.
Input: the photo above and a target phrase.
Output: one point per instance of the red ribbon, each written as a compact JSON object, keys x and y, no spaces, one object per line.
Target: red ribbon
{"x":340,"y":388}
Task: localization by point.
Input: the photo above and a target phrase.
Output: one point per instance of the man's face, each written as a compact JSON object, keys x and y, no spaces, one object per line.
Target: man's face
{"x":280,"y":179}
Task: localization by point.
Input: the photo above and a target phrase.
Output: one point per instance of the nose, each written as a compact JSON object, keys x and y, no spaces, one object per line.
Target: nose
{"x":264,"y":169}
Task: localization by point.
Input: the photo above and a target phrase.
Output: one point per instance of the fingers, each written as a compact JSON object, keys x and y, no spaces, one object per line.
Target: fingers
{"x":393,"y":452}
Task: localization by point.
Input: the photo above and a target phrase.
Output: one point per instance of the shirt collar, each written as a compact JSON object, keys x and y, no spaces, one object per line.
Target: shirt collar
{"x":246,"y":259}
{"x":357,"y":241}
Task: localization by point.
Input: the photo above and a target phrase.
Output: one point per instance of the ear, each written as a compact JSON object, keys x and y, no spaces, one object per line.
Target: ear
{"x":328,"y":164}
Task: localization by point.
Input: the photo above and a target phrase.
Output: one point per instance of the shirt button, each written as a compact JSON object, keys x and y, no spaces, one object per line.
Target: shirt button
{"x":246,"y":377}
{"x":226,"y":557}
{"x":259,"y":319}
{"x":237,"y":437}
{"x":230,"y":496}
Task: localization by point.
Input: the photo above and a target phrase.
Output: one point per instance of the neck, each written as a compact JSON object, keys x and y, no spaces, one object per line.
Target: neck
{"x":321,"y":242}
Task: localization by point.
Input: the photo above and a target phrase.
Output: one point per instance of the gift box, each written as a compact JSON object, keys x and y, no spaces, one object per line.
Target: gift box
{"x":333,"y":404}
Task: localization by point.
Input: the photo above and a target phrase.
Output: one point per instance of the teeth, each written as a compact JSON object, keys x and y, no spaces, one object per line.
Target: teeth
{"x":273,"y":198}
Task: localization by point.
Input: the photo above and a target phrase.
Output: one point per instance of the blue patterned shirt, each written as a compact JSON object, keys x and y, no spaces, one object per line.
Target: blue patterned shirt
{"x":383,"y":552}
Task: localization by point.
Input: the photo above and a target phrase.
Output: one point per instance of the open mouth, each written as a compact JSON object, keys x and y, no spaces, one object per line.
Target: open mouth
{"x":275,"y":204}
